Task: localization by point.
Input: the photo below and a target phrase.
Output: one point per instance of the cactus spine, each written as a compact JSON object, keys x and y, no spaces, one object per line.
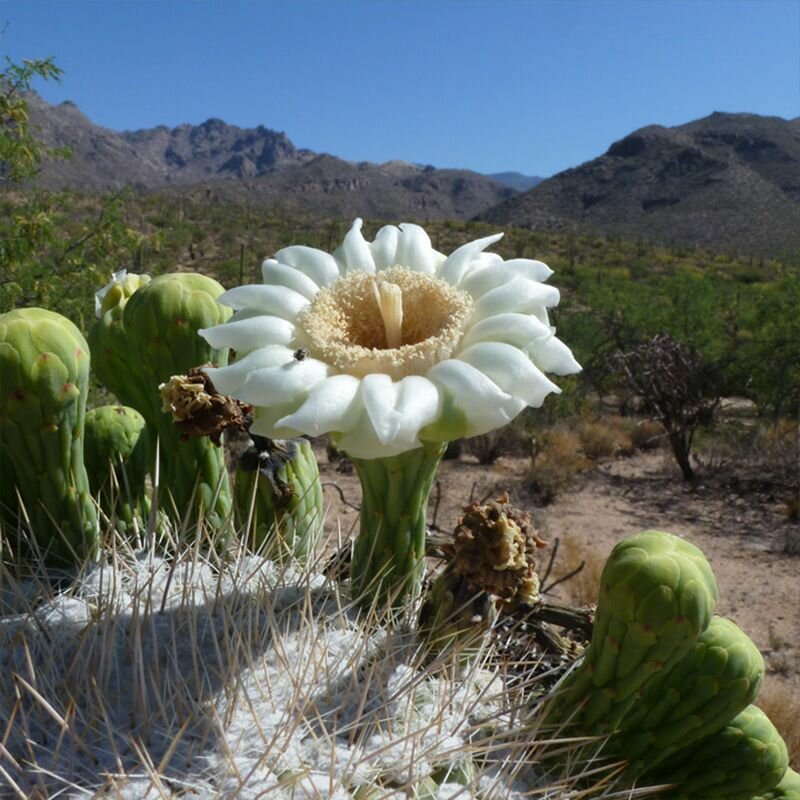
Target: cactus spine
{"x":44,"y":375}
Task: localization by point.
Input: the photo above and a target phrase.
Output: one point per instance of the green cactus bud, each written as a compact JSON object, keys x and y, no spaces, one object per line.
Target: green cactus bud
{"x":158,"y":339}
{"x":108,"y":341}
{"x":278,"y":489}
{"x":716,"y":679}
{"x":657,"y":595}
{"x":746,"y":758}
{"x":44,"y":375}
{"x":787,"y":789}
{"x":116,"y":442}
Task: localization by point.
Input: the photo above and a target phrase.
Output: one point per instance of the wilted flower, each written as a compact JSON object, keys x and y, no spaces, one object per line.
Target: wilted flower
{"x":390,"y":344}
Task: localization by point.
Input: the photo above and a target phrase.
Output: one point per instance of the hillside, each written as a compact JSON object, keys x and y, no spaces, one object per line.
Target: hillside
{"x":255,"y":165}
{"x":721,"y":181}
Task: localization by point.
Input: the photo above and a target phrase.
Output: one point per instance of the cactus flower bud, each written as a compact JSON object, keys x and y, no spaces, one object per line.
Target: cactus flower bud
{"x":278,"y":491}
{"x":44,"y":378}
{"x":115,"y":441}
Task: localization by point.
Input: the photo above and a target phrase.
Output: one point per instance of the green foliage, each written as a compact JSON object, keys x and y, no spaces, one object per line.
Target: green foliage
{"x":21,"y":153}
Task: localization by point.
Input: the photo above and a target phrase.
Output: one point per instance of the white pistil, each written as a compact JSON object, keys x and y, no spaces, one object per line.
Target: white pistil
{"x":389,"y":297}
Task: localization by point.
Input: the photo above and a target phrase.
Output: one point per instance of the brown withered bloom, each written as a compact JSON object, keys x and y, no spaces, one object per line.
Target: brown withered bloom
{"x":494,"y":548}
{"x":199,"y":410}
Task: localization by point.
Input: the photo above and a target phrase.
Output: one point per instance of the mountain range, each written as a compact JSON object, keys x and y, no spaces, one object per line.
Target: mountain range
{"x":256,"y":165}
{"x":724,"y":181}
{"x":727,"y":180}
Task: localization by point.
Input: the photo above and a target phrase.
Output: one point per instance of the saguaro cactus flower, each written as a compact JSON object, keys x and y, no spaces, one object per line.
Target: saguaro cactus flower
{"x":393,"y":349}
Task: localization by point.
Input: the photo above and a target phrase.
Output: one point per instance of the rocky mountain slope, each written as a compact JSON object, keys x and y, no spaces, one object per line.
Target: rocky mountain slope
{"x":256,"y":165}
{"x":727,"y":180}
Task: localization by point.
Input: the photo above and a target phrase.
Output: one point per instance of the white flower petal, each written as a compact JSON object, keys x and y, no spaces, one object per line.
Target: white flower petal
{"x":363,"y":442}
{"x":320,"y":266}
{"x":245,"y":335}
{"x":472,"y":402}
{"x":518,"y":295}
{"x":418,"y":403}
{"x":490,"y":276}
{"x":354,"y":252}
{"x":265,"y":419}
{"x":330,"y":406}
{"x":283,"y":275}
{"x":277,"y":300}
{"x":511,"y":369}
{"x":529,"y":268}
{"x":379,"y":396}
{"x":384,"y":246}
{"x":286,"y":383}
{"x":457,"y":264}
{"x":228,"y":380}
{"x":516,"y":329}
{"x":552,"y":355}
{"x":414,"y":249}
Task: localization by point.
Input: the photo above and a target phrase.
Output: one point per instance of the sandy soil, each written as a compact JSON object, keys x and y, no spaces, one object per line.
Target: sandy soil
{"x":741,"y":533}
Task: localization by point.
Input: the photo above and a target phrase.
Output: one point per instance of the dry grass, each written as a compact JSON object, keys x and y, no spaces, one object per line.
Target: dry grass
{"x":583,"y":588}
{"x":781,"y":704}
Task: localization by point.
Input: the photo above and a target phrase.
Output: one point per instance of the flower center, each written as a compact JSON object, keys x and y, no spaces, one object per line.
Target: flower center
{"x":398,"y":322}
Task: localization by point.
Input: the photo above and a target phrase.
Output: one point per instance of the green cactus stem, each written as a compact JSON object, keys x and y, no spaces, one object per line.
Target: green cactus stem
{"x":745,"y":759}
{"x":716,"y":679}
{"x":44,"y":375}
{"x":158,"y":339}
{"x":116,"y":451}
{"x":277,"y":490}
{"x":657,"y":595}
{"x":787,"y":789}
{"x":389,"y":552}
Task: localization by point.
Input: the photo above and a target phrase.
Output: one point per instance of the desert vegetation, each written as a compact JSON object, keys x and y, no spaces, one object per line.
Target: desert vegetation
{"x":179,"y":617}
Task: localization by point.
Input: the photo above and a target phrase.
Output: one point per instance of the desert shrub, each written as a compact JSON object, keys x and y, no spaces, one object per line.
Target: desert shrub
{"x":558,"y":458}
{"x":488,"y":447}
{"x":647,"y":434}
{"x":679,"y":388}
{"x":605,"y":438}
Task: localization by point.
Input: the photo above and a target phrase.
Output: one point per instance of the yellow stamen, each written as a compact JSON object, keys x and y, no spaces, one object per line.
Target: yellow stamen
{"x":389,"y":297}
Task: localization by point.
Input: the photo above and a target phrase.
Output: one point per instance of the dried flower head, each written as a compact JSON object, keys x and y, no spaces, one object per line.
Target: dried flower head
{"x":494,"y":549}
{"x":199,"y":410}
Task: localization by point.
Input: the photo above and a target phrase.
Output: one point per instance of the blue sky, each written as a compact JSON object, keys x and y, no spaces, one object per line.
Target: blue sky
{"x":529,"y":85}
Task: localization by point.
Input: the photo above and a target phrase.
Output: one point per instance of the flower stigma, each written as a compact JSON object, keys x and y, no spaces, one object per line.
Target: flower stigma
{"x":401,"y":325}
{"x":390,"y":303}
